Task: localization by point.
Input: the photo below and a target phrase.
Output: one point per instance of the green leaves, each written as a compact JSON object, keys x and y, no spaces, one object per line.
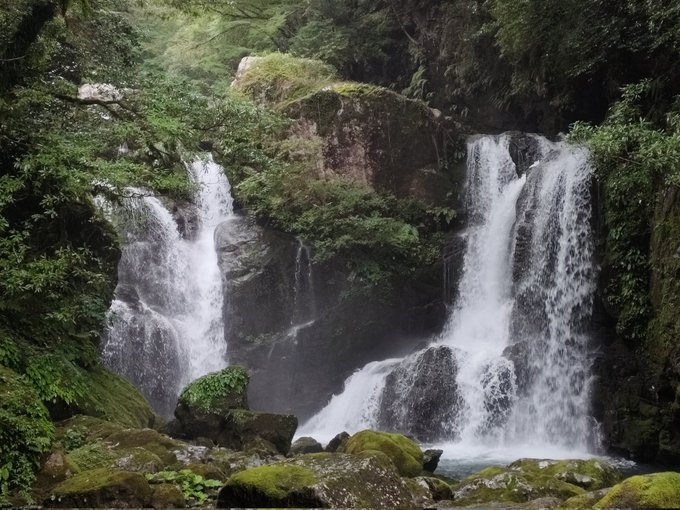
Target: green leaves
{"x":196,"y":489}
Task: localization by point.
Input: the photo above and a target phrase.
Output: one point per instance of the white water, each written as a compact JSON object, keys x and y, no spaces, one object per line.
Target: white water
{"x":548,"y":415}
{"x":165,"y":327}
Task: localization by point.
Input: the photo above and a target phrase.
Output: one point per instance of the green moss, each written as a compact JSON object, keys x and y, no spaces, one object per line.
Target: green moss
{"x":92,"y":456}
{"x":110,"y":397}
{"x":659,"y":490}
{"x":586,"y":500}
{"x":88,"y":427}
{"x":218,"y":391}
{"x":404,"y":453}
{"x":590,"y":474}
{"x":275,"y":481}
{"x":148,"y":439}
{"x":167,"y":495}
{"x":278,"y":78}
{"x":101,"y":487}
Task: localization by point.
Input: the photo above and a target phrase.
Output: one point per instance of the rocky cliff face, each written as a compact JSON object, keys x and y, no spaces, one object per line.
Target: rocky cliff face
{"x":302,"y":328}
{"x":638,"y":396}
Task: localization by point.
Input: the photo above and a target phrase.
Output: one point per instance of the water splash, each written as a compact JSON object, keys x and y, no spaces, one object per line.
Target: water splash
{"x":518,"y":329}
{"x":165,"y":326}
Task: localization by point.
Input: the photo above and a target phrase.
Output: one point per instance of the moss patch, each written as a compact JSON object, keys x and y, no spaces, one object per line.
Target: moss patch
{"x":218,"y":392}
{"x":278,"y":78}
{"x":101,"y":488}
{"x":404,"y":453}
{"x":275,"y":481}
{"x":659,"y":490}
{"x":112,"y":398}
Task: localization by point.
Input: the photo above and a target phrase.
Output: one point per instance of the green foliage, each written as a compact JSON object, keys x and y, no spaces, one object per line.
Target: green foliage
{"x":25,"y":434}
{"x":196,"y":489}
{"x":382,"y":236}
{"x":212,"y":392}
{"x":635,"y":152}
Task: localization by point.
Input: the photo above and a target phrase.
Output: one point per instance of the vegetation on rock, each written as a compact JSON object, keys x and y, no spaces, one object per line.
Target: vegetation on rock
{"x":403,"y":452}
{"x":658,"y":490}
{"x":219,"y":391}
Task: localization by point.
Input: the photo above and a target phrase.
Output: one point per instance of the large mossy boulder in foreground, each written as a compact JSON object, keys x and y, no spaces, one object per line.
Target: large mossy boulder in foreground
{"x":323,"y":480}
{"x":658,"y":490}
{"x":101,"y":488}
{"x":215,"y":407}
{"x":531,"y":479}
{"x":403,"y":452}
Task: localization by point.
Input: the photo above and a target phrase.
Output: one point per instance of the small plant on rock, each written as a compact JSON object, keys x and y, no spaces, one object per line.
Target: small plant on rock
{"x":196,"y":489}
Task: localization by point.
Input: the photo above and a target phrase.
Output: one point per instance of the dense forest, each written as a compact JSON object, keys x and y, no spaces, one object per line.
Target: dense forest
{"x":605,"y":73}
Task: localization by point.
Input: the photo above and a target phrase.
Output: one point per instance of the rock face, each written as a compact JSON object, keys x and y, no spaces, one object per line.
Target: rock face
{"x":403,"y":452}
{"x":421,"y":396}
{"x":323,"y":480}
{"x":293,"y":324}
{"x":638,"y":385}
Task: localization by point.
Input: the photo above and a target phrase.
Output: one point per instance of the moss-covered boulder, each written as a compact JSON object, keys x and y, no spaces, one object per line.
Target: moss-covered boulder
{"x":101,"y":488}
{"x":112,"y":398}
{"x":215,"y":407}
{"x":167,"y":495}
{"x":322,"y":480}
{"x":403,"y":452}
{"x":531,"y":479}
{"x":305,"y":445}
{"x":658,"y":490}
{"x":586,"y":500}
{"x":215,"y":393}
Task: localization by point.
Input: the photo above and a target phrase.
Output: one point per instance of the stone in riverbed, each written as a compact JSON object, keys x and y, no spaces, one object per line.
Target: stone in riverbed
{"x":101,"y":488}
{"x":658,"y":490}
{"x":403,"y":452}
{"x":305,"y":445}
{"x":337,"y":442}
{"x":323,"y":480}
{"x":431,"y":460}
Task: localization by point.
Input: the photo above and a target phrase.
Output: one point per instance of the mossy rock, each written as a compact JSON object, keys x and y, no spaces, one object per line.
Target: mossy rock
{"x":279,"y":78}
{"x":586,"y":500}
{"x":658,"y":490}
{"x":167,"y":495}
{"x":524,"y":481}
{"x":88,"y":428}
{"x":324,"y":480}
{"x":404,"y":453}
{"x":148,"y":439}
{"x":207,"y":471}
{"x":101,"y":488}
{"x":216,"y":393}
{"x":110,"y":397}
{"x":590,"y":474}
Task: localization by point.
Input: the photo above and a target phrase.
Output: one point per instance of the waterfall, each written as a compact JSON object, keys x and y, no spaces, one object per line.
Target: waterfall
{"x":304,"y":300}
{"x":165,"y":326}
{"x":511,"y":366}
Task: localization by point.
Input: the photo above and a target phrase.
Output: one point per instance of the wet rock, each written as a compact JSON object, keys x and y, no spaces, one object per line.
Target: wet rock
{"x":402,"y":451}
{"x":524,"y":150}
{"x":586,"y":500}
{"x":306,"y":445}
{"x":431,"y":460}
{"x":439,"y":489}
{"x":101,"y":488}
{"x":322,"y":480}
{"x":337,"y":442}
{"x":421,"y":396}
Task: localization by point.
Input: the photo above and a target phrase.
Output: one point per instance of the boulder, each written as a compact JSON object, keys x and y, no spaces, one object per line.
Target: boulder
{"x":321,"y":480}
{"x":337,"y":442}
{"x":531,"y":479}
{"x":421,"y":396}
{"x":101,"y":488}
{"x":586,"y":500}
{"x":214,"y":394}
{"x":243,"y":429}
{"x":431,"y":460}
{"x":167,"y":495}
{"x":305,"y":445}
{"x":658,"y":490}
{"x":404,"y":453}
{"x":439,"y":489}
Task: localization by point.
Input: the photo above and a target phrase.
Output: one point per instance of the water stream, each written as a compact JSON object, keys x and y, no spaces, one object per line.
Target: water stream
{"x":509,"y":377}
{"x":165,"y":326}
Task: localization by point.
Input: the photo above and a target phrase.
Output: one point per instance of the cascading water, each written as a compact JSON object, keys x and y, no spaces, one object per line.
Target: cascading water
{"x":512,"y":364}
{"x":165,"y":326}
